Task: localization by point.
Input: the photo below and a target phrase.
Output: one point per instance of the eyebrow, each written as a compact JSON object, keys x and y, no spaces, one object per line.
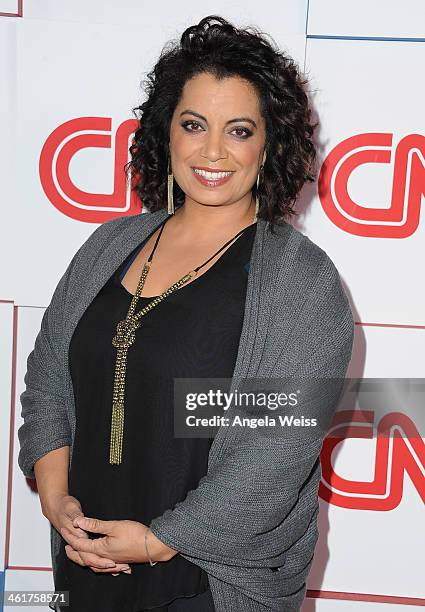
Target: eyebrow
{"x":236,"y":120}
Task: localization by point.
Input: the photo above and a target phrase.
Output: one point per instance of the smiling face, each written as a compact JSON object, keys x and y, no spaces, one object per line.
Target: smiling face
{"x":217,"y":139}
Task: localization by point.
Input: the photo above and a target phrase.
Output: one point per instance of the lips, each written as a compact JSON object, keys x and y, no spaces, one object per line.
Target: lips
{"x":206,"y":182}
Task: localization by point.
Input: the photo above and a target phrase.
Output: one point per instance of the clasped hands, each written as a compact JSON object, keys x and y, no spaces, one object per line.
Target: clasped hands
{"x":123,"y":543}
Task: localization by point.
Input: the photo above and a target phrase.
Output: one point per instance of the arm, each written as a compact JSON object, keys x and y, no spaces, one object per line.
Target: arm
{"x":236,"y":515}
{"x":46,"y":426}
{"x":158,"y":551}
{"x":51,"y":472}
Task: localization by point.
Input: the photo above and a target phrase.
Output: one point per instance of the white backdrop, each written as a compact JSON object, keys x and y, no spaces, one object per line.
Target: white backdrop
{"x":69,"y":76}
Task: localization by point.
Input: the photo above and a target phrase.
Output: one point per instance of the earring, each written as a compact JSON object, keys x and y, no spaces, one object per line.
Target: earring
{"x":257,"y":200}
{"x":170,"y":190}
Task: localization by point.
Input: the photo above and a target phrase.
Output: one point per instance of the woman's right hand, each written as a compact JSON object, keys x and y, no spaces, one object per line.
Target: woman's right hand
{"x":62,"y":509}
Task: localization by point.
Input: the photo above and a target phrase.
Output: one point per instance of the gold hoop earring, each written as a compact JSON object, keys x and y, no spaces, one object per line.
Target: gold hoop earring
{"x":170,"y":190}
{"x":257,"y":200}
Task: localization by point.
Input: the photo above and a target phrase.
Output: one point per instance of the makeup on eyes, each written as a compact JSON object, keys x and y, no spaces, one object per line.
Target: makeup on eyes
{"x":235,"y":120}
{"x":247,"y":131}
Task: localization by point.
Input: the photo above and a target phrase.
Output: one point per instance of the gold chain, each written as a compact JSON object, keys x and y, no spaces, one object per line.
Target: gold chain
{"x":124,"y":338}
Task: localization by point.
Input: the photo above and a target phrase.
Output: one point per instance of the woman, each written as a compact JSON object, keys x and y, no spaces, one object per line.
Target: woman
{"x":140,"y":518}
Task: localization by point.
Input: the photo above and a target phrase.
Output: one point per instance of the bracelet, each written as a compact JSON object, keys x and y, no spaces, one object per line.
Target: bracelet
{"x":146,"y":547}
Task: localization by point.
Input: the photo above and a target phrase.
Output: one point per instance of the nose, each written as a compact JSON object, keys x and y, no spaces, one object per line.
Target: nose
{"x":214,"y":147}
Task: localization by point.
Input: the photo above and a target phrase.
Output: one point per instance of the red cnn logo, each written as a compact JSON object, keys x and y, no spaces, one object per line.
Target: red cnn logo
{"x":395,"y":455}
{"x":401,"y":218}
{"x":60,"y":147}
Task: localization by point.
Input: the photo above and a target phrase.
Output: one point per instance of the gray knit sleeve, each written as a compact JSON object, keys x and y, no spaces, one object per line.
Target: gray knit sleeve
{"x":256,"y":508}
{"x":47,"y":395}
{"x":43,"y":402}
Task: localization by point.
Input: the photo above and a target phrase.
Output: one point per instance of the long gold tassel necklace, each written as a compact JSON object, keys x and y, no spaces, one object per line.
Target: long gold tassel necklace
{"x":125,"y":337}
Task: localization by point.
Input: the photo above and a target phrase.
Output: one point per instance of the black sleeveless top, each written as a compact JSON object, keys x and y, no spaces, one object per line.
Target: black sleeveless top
{"x":194,"y":332}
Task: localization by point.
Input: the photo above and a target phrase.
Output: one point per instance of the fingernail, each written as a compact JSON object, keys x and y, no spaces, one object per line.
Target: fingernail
{"x":127,"y":571}
{"x":114,"y":574}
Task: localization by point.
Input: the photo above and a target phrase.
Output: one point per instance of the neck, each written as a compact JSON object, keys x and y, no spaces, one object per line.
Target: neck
{"x":203,"y":220}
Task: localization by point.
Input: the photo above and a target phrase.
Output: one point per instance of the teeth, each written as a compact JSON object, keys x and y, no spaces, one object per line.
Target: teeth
{"x":212,"y":176}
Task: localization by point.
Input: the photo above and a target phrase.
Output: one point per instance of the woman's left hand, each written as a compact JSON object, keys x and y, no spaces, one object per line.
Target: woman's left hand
{"x":123,"y":542}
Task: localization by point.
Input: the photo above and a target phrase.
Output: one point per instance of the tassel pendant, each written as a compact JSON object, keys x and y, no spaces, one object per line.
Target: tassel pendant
{"x":117,"y":432}
{"x":117,"y":420}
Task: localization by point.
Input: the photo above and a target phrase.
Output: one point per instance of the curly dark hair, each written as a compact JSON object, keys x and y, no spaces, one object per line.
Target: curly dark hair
{"x":217,"y":47}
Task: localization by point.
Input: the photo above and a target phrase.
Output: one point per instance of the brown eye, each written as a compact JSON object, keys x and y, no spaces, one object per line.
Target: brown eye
{"x":191,"y":123}
{"x":246,"y":133}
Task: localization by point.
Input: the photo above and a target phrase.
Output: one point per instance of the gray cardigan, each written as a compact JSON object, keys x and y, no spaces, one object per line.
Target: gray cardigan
{"x":251,"y":522}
